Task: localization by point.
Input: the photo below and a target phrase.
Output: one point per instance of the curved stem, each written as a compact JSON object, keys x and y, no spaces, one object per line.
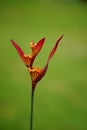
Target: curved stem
{"x":31,"y":114}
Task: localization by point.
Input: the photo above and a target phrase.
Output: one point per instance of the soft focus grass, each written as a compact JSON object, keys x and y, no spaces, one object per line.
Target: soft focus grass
{"x":61,"y":97}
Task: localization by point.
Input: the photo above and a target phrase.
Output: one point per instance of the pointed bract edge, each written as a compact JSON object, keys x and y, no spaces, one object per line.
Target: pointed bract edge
{"x":39,"y":45}
{"x":19,"y":50}
{"x":54,"y":49}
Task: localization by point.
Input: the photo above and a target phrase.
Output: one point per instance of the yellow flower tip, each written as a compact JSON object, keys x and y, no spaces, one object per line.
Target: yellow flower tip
{"x":32,"y":45}
{"x":27,"y":59}
{"x":34,"y":72}
{"x":27,"y":56}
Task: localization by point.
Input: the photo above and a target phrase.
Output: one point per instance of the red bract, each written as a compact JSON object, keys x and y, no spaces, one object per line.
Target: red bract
{"x":37,"y":47}
{"x":36,"y":73}
{"x":54,"y":49}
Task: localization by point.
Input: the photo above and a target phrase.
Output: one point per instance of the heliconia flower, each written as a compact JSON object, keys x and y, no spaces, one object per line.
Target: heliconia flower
{"x":37,"y":73}
{"x":29,"y":59}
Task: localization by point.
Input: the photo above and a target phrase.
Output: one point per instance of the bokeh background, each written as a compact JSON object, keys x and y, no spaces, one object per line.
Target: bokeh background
{"x":61,"y":97}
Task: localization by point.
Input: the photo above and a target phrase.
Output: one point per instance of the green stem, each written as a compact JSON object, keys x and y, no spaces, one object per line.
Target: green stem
{"x":31,"y":114}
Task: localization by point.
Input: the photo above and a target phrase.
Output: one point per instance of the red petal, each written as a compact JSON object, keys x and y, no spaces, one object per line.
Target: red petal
{"x":39,"y":45}
{"x":41,"y":75}
{"x":54,"y":49}
{"x":19,"y":50}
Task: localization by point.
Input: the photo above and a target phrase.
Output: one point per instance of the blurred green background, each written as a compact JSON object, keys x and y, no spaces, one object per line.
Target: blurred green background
{"x":61,"y":97}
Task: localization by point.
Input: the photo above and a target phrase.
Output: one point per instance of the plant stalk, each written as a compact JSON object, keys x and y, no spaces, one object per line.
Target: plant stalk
{"x":31,"y":114}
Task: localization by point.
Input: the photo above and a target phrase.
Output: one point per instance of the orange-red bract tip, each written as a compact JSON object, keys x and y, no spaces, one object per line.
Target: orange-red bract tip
{"x":19,"y":50}
{"x":54,"y":49}
{"x":38,"y":46}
